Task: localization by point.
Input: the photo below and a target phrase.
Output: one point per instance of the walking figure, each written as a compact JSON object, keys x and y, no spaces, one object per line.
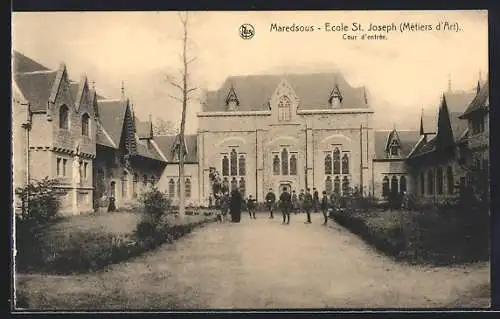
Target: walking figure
{"x":324,"y":207}
{"x":295,"y":202}
{"x":285,"y":203}
{"x":270,"y":202}
{"x":302,"y":197}
{"x":251,"y":207}
{"x":308,"y":201}
{"x":315,"y":199}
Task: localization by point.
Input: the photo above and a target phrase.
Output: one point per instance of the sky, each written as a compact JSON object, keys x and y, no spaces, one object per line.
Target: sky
{"x":402,"y":74}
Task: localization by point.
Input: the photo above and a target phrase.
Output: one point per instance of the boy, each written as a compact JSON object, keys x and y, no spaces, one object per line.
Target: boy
{"x":251,"y":207}
{"x":324,"y":207}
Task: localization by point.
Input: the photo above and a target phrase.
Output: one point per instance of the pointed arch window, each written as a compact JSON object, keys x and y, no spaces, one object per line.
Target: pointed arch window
{"x":242,"y":165}
{"x":328,"y":164}
{"x":276,"y":165}
{"x":134,"y":185}
{"x":153,"y":180}
{"x":188,"y":188}
{"x":394,"y":185}
{"x":242,"y":186}
{"x":85,"y":125}
{"x":225,"y":166}
{"x":430,"y":182}
{"x":449,"y":180}
{"x":402,"y":184}
{"x":439,"y":180}
{"x":64,"y":117}
{"x":336,"y":185}
{"x":328,"y":185}
{"x":345,"y":164}
{"x":284,"y":162}
{"x":336,"y":161}
{"x":144,"y":180}
{"x":234,"y":163}
{"x":345,"y":185}
{"x":171,"y":188}
{"x":284,"y":109}
{"x":293,"y":164}
{"x":385,"y":186}
{"x":394,"y":148}
{"x":124,"y":184}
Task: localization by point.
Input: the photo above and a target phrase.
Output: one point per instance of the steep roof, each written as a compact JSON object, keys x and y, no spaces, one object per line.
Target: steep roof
{"x":407,"y":140}
{"x":112,"y":115}
{"x":480,"y":102}
{"x":143,"y":129}
{"x":36,"y":87}
{"x":21,"y":64}
{"x":254,"y":91}
{"x":146,"y":149}
{"x":165,"y":144}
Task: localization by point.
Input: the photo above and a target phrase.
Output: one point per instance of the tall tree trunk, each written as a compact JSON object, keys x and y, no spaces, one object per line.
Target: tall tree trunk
{"x":182,"y":208}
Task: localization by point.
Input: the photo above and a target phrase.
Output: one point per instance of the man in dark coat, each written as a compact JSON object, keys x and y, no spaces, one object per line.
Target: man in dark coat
{"x":315,"y":199}
{"x":286,"y":204}
{"x":308,"y":202}
{"x":325,"y":206}
{"x":235,"y":205}
{"x":270,"y":202}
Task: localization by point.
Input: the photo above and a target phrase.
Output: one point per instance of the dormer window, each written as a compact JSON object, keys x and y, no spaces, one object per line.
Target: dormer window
{"x":232,"y":101}
{"x":394,"y":148}
{"x":284,"y":109}
{"x":335,"y":98}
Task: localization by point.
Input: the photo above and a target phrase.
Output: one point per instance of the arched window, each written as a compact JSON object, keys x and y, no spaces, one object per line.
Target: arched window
{"x":430,"y":182}
{"x":449,"y":179}
{"x":234,"y":163}
{"x":241,"y":166}
{"x":284,"y":162}
{"x":171,"y":188}
{"x":64,"y":117}
{"x":144,"y":180}
{"x":345,"y":164}
{"x":85,"y":125}
{"x":225,"y":166}
{"x":124,"y":184}
{"x":394,"y":185}
{"x":336,"y":161}
{"x":336,"y":185}
{"x":328,"y":185}
{"x":284,"y":109}
{"x":188,"y":188}
{"x":439,"y":180}
{"x":152,"y":181}
{"x":234,"y":183}
{"x":394,"y":149}
{"x":422,"y":184}
{"x":242,"y":186}
{"x":276,"y":165}
{"x":328,"y":164}
{"x":293,"y":164}
{"x":385,"y":186}
{"x":402,"y":184}
{"x":134,"y":185}
{"x":345,"y":185}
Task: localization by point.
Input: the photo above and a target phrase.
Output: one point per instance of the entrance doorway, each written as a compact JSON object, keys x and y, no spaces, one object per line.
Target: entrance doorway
{"x":288,"y":187}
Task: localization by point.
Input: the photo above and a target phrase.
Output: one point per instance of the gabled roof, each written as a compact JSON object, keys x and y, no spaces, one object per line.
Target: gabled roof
{"x":36,"y":87}
{"x":480,"y":101}
{"x":146,"y":149}
{"x":165,"y":144}
{"x":143,"y":129}
{"x":407,"y":140}
{"x":21,"y":64}
{"x":313,"y":90}
{"x":112,"y":116}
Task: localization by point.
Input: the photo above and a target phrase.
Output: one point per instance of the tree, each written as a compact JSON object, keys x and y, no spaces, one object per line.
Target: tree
{"x":162,"y":127}
{"x":180,"y":144}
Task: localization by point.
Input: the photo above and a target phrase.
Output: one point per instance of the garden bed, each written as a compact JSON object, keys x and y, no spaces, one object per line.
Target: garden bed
{"x":87,"y":243}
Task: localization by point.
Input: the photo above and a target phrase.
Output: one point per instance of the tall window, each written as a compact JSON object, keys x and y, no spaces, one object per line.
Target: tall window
{"x":439,"y":180}
{"x":171,"y":188}
{"x":328,"y":185}
{"x":385,"y":186}
{"x":336,"y":161}
{"x":242,"y":166}
{"x":402,"y":184}
{"x":152,"y":181}
{"x":85,"y":125}
{"x":394,"y":184}
{"x":188,"y":188}
{"x":134,"y":185}
{"x":394,"y":148}
{"x":234,"y":183}
{"x":124,"y":184}
{"x":276,"y":165}
{"x":64,"y":117}
{"x":112,"y":189}
{"x":449,"y":179}
{"x":284,"y":109}
{"x":225,"y":166}
{"x":345,"y":164}
{"x":430,"y":182}
{"x":64,"y":166}
{"x":293,"y":164}
{"x":328,"y":164}
{"x":144,"y":180}
{"x":234,"y":163}
{"x":422,"y":184}
{"x":345,"y":185}
{"x":242,"y":186}
{"x":336,"y":185}
{"x":59,"y":167}
{"x":284,"y":162}
{"x":85,"y":170}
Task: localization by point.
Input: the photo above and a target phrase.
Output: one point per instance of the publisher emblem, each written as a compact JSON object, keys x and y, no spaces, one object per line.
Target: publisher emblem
{"x":247,"y":31}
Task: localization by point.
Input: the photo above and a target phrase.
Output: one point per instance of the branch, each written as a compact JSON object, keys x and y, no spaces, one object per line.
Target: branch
{"x":191,"y":90}
{"x":174,"y":97}
{"x":176,"y":85}
{"x":192,"y":60}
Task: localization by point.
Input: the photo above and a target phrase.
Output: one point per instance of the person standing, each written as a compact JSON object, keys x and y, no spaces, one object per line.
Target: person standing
{"x":295,"y":202}
{"x":270,"y":202}
{"x":315,"y":199}
{"x":285,"y":203}
{"x":308,"y":201}
{"x":301,"y":200}
{"x":235,"y":205}
{"x":324,"y":206}
{"x":251,"y":207}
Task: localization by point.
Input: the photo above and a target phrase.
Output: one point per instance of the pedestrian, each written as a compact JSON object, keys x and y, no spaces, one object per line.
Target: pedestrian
{"x":301,"y":200}
{"x":235,"y":205}
{"x":295,"y":202}
{"x":270,"y":202}
{"x":251,"y":207}
{"x":210,"y":200}
{"x":285,"y":203}
{"x":308,"y":202}
{"x":315,"y":199}
{"x":112,"y":205}
{"x":324,"y":206}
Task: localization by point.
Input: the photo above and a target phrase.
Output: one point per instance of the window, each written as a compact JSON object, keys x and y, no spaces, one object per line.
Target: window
{"x":171,"y":188}
{"x":234,"y":163}
{"x":112,"y":189}
{"x":242,"y":166}
{"x":345,"y":164}
{"x":293,"y":165}
{"x":225,"y":166}
{"x":144,"y":180}
{"x":124,"y":184}
{"x":394,"y":149}
{"x":59,"y":167}
{"x":336,"y":161}
{"x":402,"y":184}
{"x":64,"y":117}
{"x":134,"y":185}
{"x":234,"y":183}
{"x":328,"y":164}
{"x":345,"y":185}
{"x":188,"y":188}
{"x":65,"y":162}
{"x":394,"y":185}
{"x":85,"y":166}
{"x":328,"y":185}
{"x":449,"y":180}
{"x":284,"y":162}
{"x":439,"y":177}
{"x":336,"y":185}
{"x":422,"y":184}
{"x":385,"y":186}
{"x":85,"y":125}
{"x":152,"y":181}
{"x":276,"y":165}
{"x":242,"y":186}
{"x":430,"y":182}
{"x":284,"y":109}
{"x":477,"y":124}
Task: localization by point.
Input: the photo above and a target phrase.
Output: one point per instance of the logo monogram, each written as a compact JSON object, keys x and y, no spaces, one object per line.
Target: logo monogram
{"x":247,"y":31}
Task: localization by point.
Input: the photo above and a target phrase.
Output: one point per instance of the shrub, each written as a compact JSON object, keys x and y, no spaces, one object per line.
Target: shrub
{"x":155,"y":203}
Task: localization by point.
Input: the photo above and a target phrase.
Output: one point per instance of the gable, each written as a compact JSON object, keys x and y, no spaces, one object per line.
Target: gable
{"x":111,"y":117}
{"x":22,"y":64}
{"x":36,"y":88}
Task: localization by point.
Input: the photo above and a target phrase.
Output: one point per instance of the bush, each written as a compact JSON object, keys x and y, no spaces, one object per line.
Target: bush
{"x":155,"y":203}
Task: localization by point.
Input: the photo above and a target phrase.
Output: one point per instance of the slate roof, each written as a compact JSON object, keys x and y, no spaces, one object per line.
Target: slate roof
{"x":146,"y":149}
{"x":407,"y":140}
{"x":165,"y":144}
{"x":480,"y":102}
{"x":112,"y":115}
{"x":36,"y":88}
{"x":21,"y":63}
{"x":254,"y":91}
{"x":143,"y":128}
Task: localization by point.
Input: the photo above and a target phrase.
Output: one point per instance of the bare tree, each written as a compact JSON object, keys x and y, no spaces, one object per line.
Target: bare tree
{"x":180,"y":144}
{"x":162,"y":127}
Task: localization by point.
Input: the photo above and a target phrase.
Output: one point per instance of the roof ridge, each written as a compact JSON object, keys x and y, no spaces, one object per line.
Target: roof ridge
{"x":109,"y":100}
{"x":36,"y":72}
